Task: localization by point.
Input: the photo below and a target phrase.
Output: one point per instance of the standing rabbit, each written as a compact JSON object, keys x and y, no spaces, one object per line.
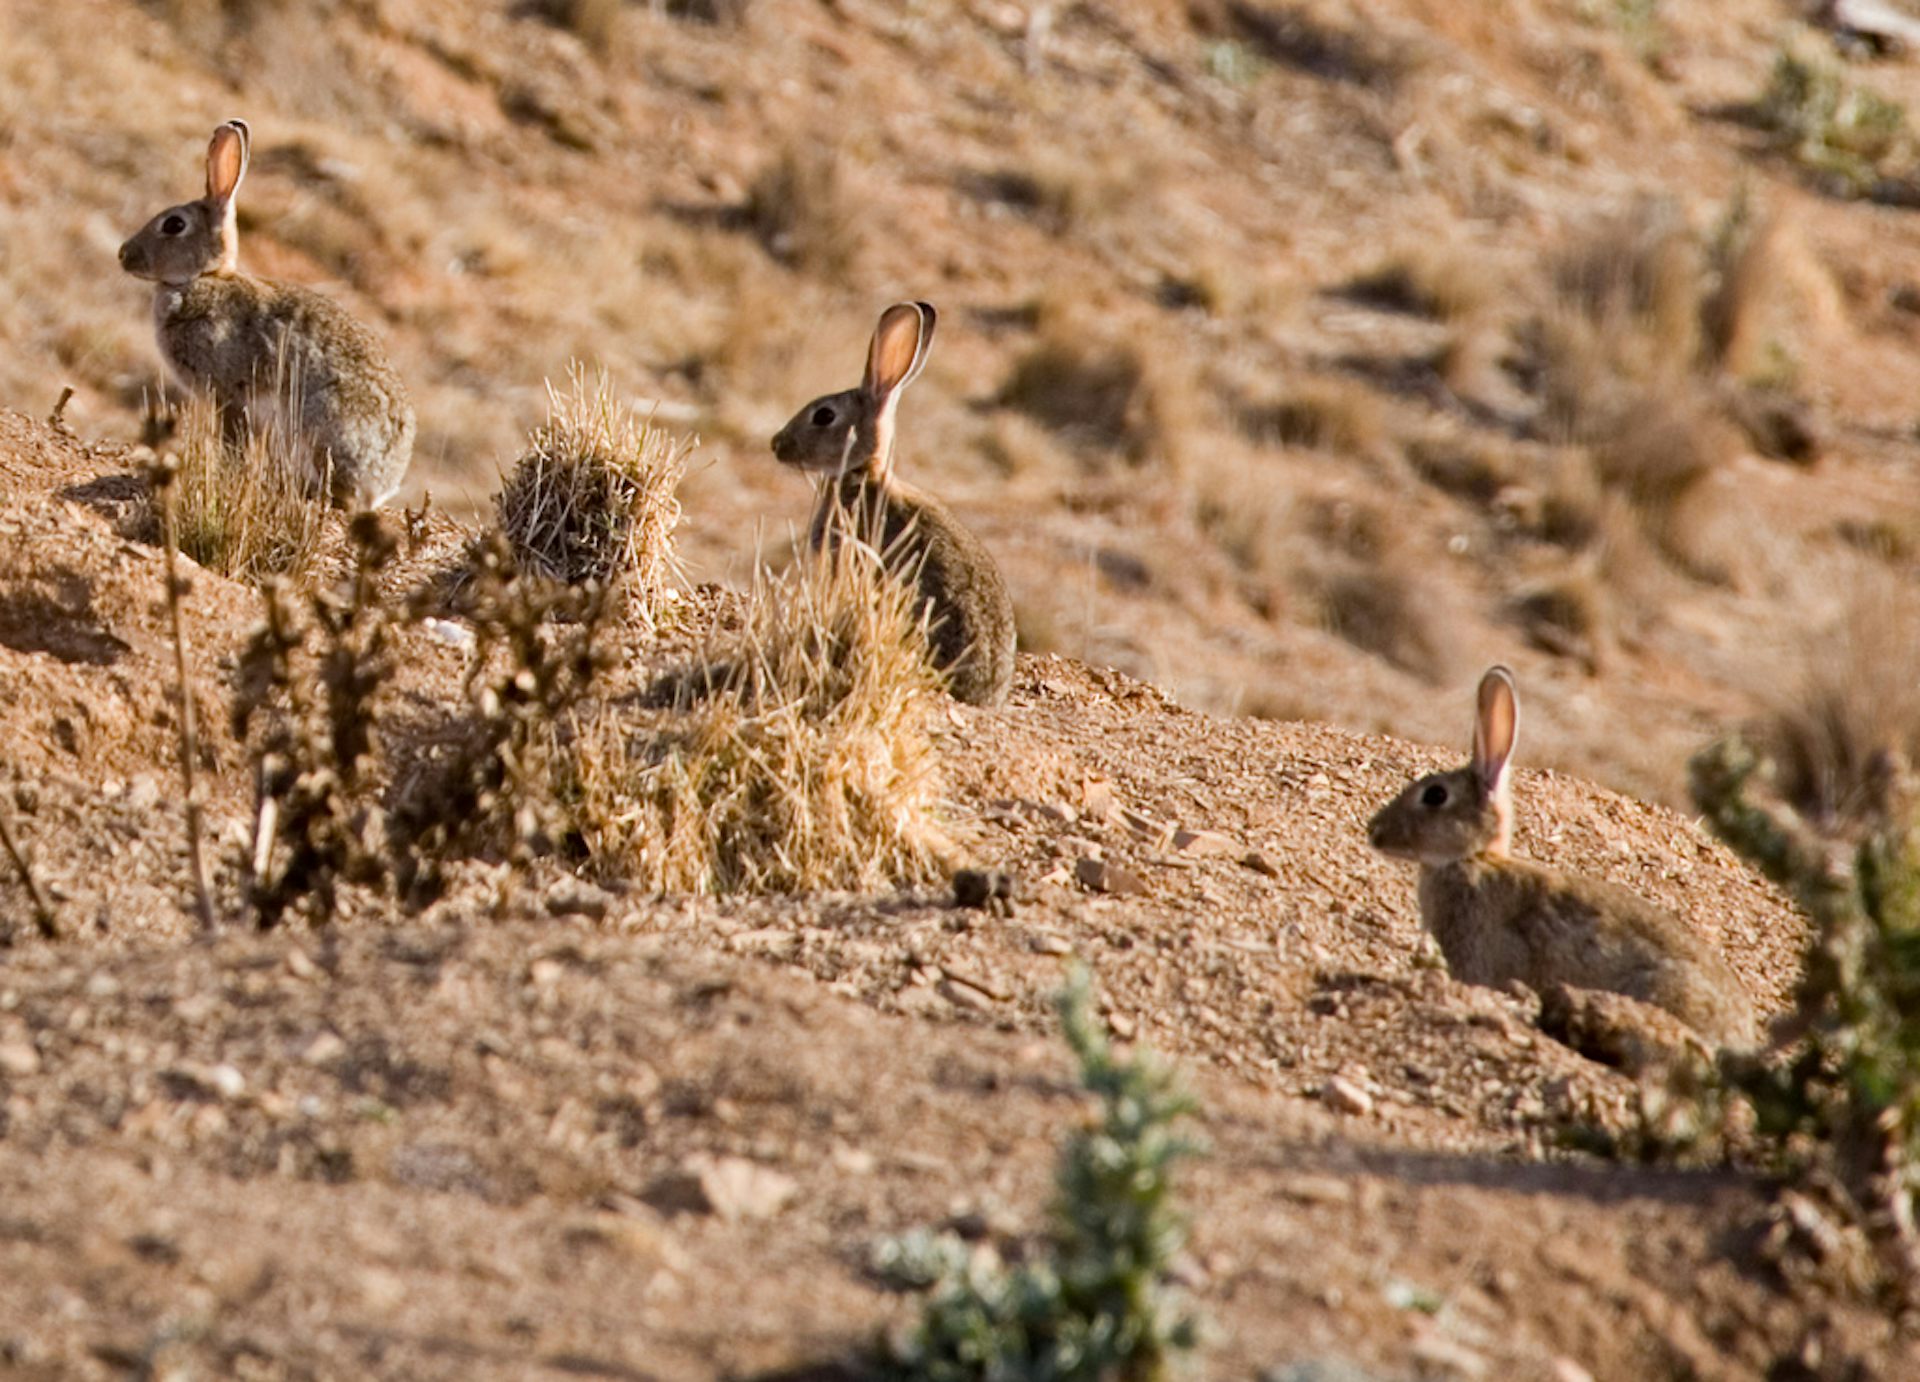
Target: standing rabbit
{"x":848,"y":438}
{"x":1499,"y":919}
{"x":271,"y":352}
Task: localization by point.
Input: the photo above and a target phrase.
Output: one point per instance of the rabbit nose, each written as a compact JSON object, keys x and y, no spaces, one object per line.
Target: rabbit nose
{"x":126,"y":255}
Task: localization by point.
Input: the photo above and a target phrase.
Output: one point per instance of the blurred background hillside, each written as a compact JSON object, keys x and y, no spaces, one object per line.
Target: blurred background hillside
{"x":1300,"y":357}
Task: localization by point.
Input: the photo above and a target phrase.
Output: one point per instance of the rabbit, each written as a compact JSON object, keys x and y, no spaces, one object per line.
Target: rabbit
{"x":258,"y":347}
{"x":1498,"y":918}
{"x":847,"y":438}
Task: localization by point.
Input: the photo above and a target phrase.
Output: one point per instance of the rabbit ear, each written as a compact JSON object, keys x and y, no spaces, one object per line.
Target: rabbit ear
{"x":227,"y":160}
{"x":1496,"y":727}
{"x":899,"y":349}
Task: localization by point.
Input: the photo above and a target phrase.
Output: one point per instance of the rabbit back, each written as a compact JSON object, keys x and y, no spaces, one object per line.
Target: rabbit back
{"x":257,"y":346}
{"x":1501,"y":919}
{"x":963,"y":598}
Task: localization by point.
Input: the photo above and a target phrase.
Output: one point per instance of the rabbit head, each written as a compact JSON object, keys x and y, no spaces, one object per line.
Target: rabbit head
{"x":197,"y":237}
{"x":1467,"y":812}
{"x":852,"y":432}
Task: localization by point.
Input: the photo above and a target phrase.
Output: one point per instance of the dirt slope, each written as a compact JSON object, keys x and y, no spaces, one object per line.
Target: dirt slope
{"x":459,"y":1145}
{"x":1185,"y":191}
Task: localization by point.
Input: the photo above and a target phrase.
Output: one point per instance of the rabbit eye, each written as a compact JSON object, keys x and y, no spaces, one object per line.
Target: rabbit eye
{"x":1435,"y":795}
{"x":173,"y":225}
{"x":823,"y":417}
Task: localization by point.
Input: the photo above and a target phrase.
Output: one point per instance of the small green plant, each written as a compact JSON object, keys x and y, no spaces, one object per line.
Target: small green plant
{"x":1096,"y":1303}
{"x":1845,"y":1109}
{"x":1847,"y":134}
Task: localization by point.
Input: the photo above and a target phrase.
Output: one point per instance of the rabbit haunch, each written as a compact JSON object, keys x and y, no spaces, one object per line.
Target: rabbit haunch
{"x":1499,"y":919}
{"x":271,"y":355}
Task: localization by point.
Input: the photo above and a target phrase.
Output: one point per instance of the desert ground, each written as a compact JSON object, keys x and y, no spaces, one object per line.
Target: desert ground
{"x":1296,"y":362}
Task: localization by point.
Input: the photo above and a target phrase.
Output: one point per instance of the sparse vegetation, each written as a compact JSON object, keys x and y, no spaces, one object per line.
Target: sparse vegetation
{"x":1328,"y":414}
{"x":596,"y":496}
{"x":1375,"y":591}
{"x":1098,"y":393}
{"x":539,"y":648}
{"x":1097,"y":1302}
{"x":801,"y":211}
{"x":1856,"y":700}
{"x":1844,"y":1108}
{"x":243,"y":506}
{"x":1444,"y":282}
{"x":1848,"y":135}
{"x":317,"y":825}
{"x":796,"y":756}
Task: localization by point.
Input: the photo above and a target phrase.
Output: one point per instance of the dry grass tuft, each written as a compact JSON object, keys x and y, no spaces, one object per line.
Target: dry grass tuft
{"x":1445,"y":282}
{"x":1324,"y":415}
{"x":1567,"y":615}
{"x":1096,"y":393}
{"x":796,"y":758}
{"x":596,"y":496}
{"x":246,"y":511}
{"x":800,"y":210}
{"x":1856,"y":702}
{"x":1378,"y":593}
{"x":1473,"y":469}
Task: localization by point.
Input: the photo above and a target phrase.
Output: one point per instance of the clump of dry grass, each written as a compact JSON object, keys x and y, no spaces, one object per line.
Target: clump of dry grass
{"x":596,"y":498}
{"x":1097,"y":393}
{"x":1377,"y":592}
{"x":1325,"y":414}
{"x":1443,"y":281}
{"x":799,"y":208}
{"x":1624,"y":359}
{"x":1856,"y":702}
{"x":244,"y":508}
{"x":1567,"y":615}
{"x":795,"y":758}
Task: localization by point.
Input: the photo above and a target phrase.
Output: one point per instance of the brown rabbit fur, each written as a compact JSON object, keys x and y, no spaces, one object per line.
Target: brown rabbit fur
{"x":268,"y":351}
{"x":848,"y":438}
{"x":1499,"y":919}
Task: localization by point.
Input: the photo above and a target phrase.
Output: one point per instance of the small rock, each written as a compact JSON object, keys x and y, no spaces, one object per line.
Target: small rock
{"x":19,"y":1058}
{"x":545,"y":973}
{"x":964,"y":996}
{"x":226,"y":1081}
{"x":1259,"y":863}
{"x":1202,"y":844}
{"x":1344,"y":1096}
{"x":1103,"y":876}
{"x":447,"y":632}
{"x":324,"y":1047}
{"x":729,"y":1187}
{"x":1566,"y":1370}
{"x":300,"y":964}
{"x":1439,"y":1356}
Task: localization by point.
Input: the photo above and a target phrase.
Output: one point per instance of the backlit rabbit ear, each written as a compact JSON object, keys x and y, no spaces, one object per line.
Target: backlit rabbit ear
{"x":899,"y":349}
{"x":227,"y":160}
{"x":1496,"y":726}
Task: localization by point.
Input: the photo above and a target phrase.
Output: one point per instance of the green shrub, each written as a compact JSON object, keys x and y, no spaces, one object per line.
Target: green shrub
{"x":1845,"y":1108}
{"x":1096,"y":1303}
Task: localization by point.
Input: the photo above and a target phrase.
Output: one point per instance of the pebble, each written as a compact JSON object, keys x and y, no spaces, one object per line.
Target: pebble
{"x":1344,"y":1096}
{"x":731,"y":1188}
{"x":1104,"y":876}
{"x":19,"y":1058}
